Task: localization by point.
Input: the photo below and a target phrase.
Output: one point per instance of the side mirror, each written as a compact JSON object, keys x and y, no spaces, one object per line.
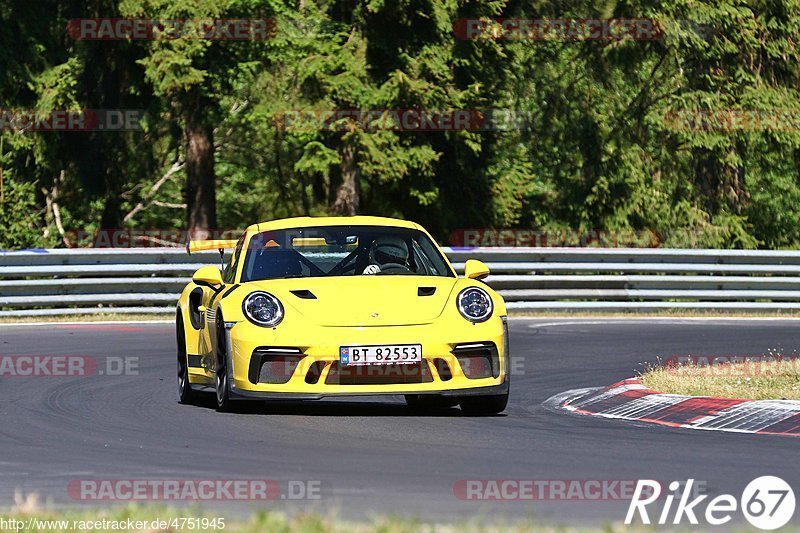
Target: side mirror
{"x":208,"y":276}
{"x":474,"y":269}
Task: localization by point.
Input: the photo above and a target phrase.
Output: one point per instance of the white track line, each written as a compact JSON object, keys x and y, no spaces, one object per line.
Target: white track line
{"x":87,"y":323}
{"x":750,"y":416}
{"x":694,"y":321}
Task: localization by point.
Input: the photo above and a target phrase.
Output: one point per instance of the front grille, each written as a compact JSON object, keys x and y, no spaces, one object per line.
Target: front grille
{"x":273,"y":365}
{"x":378,"y":374}
{"x":478,"y":359}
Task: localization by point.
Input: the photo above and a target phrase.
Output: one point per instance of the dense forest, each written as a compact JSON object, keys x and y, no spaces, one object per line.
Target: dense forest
{"x":680,"y":121}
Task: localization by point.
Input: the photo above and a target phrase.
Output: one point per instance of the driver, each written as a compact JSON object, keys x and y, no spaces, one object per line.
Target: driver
{"x":386,"y":254}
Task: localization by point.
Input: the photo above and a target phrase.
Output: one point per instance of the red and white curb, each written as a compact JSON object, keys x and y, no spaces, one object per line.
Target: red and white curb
{"x":631,"y":400}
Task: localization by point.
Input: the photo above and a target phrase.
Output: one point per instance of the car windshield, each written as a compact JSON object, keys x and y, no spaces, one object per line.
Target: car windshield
{"x":342,"y":251}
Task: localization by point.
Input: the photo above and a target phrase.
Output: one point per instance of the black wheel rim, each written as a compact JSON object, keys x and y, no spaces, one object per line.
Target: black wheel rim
{"x":222,"y":383}
{"x":181,"y":378}
{"x":183,"y":366}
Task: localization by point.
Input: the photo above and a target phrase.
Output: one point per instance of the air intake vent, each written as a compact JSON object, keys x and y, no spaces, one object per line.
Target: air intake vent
{"x":305,"y":294}
{"x":426,"y":291}
{"x":273,"y":364}
{"x":478,"y":360}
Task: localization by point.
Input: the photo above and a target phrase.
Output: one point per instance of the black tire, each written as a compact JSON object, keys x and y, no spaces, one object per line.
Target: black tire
{"x":224,"y":402}
{"x":185,"y":393}
{"x":484,"y":405}
{"x":423,"y":403}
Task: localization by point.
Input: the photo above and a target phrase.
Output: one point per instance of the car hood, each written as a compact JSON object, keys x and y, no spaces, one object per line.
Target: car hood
{"x":363,"y":300}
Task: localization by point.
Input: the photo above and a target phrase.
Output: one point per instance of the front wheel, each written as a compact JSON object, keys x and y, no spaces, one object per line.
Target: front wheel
{"x":184,"y":387}
{"x":224,"y":402}
{"x":484,"y":405}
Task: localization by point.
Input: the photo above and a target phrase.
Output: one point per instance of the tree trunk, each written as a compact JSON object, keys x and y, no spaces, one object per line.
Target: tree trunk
{"x":111,"y":218}
{"x":348,"y":192}
{"x":722,"y":185}
{"x":201,"y":200}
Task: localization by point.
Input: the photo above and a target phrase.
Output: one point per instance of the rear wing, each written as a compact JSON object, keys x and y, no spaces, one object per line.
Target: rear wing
{"x":199,"y":246}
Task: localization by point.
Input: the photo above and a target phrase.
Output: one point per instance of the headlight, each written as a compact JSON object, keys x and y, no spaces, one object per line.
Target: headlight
{"x":474,"y":304}
{"x":263,"y":309}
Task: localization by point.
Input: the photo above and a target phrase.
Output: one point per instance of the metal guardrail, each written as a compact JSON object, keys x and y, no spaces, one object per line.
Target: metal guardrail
{"x":148,"y":280}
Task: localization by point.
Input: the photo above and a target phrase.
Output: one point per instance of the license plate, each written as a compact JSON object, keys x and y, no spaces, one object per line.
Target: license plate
{"x":382,"y":354}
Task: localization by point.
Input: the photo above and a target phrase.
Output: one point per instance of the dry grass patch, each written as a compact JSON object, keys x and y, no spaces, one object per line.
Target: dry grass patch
{"x":771,"y":377}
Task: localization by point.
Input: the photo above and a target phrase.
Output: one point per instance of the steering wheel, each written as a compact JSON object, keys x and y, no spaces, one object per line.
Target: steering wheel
{"x":394,"y":268}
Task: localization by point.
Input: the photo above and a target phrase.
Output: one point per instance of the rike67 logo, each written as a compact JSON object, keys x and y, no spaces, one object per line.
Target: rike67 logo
{"x":767,"y":503}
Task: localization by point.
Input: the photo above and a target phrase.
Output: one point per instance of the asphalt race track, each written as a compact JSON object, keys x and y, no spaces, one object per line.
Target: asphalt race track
{"x":373,"y":456}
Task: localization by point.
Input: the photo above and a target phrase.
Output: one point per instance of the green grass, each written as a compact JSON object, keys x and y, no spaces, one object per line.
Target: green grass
{"x":752,"y":380}
{"x":34,"y":519}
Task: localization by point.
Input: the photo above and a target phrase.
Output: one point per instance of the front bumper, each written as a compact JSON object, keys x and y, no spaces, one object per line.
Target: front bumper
{"x":319,"y":348}
{"x":241,"y":394}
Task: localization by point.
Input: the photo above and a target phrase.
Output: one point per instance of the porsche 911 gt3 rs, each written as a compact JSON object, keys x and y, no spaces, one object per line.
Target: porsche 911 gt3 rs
{"x":316,"y":307}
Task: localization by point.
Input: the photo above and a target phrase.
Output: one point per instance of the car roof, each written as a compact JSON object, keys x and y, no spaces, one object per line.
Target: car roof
{"x":304,"y":222}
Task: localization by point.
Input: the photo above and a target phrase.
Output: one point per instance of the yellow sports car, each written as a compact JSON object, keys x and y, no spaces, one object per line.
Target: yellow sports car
{"x":314,"y":307}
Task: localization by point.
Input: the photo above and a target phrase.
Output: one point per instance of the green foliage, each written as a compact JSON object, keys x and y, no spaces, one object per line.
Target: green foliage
{"x":19,"y":218}
{"x":608,"y":138}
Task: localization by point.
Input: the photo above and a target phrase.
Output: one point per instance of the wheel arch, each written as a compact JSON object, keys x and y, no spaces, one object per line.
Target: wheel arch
{"x":191,"y":335}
